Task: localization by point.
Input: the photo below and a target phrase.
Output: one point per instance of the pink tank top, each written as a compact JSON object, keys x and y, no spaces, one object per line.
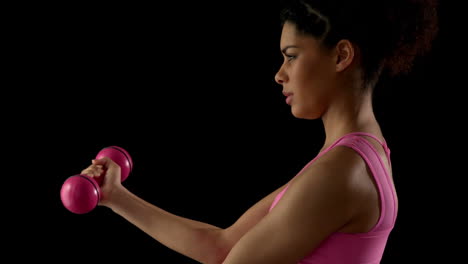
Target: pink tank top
{"x":358,"y":248}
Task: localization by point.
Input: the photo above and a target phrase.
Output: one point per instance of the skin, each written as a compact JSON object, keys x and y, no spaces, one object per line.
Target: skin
{"x":336,"y":193}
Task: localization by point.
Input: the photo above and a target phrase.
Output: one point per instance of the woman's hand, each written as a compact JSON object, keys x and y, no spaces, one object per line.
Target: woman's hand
{"x":108,"y":174}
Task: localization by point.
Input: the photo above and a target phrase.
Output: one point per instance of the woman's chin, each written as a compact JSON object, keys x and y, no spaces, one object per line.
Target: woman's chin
{"x":299,"y":113}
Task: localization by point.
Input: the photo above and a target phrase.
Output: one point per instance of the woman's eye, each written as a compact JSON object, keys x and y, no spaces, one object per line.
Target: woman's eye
{"x":290,"y":57}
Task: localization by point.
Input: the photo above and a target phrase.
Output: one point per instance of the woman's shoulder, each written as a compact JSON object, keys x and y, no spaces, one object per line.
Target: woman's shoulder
{"x":337,"y":168}
{"x":340,"y":158}
{"x":340,"y":170}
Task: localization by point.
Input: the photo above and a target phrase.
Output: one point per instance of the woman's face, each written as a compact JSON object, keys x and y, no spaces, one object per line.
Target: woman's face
{"x":307,"y":73}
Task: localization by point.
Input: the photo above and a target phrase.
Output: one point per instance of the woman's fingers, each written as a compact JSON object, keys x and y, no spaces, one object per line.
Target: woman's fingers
{"x":93,"y":170}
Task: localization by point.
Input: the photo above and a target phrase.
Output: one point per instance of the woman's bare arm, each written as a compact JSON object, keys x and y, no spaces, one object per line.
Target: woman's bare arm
{"x":200,"y":241}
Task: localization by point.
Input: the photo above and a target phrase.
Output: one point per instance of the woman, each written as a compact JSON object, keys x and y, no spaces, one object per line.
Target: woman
{"x":342,"y":206}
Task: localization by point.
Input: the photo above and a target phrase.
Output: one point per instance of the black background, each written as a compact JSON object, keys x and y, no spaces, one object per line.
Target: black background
{"x":188,"y":90}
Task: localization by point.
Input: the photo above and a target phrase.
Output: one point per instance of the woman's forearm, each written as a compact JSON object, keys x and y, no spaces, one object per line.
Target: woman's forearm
{"x":196,"y":240}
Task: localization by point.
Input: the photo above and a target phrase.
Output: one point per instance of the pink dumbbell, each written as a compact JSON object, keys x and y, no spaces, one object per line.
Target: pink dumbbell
{"x":80,"y":193}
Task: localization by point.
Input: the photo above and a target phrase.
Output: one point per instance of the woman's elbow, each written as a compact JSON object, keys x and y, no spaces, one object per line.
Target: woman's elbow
{"x":219,"y":250}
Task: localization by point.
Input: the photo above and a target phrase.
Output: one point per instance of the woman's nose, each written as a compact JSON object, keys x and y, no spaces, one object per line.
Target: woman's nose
{"x":280,"y":77}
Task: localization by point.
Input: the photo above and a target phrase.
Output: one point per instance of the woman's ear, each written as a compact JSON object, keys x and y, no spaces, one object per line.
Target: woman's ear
{"x":344,"y":54}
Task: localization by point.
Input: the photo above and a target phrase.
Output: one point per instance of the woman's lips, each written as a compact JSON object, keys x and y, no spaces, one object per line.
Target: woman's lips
{"x":288,"y":97}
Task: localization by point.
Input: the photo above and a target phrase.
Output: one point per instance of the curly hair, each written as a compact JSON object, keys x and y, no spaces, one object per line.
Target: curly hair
{"x":390,"y":34}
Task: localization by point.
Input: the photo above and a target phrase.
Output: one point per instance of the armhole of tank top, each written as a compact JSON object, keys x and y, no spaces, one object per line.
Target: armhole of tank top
{"x":387,"y":176}
{"x":351,"y":144}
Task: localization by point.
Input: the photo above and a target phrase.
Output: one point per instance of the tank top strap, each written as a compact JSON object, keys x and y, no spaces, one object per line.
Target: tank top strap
{"x":383,"y":143}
